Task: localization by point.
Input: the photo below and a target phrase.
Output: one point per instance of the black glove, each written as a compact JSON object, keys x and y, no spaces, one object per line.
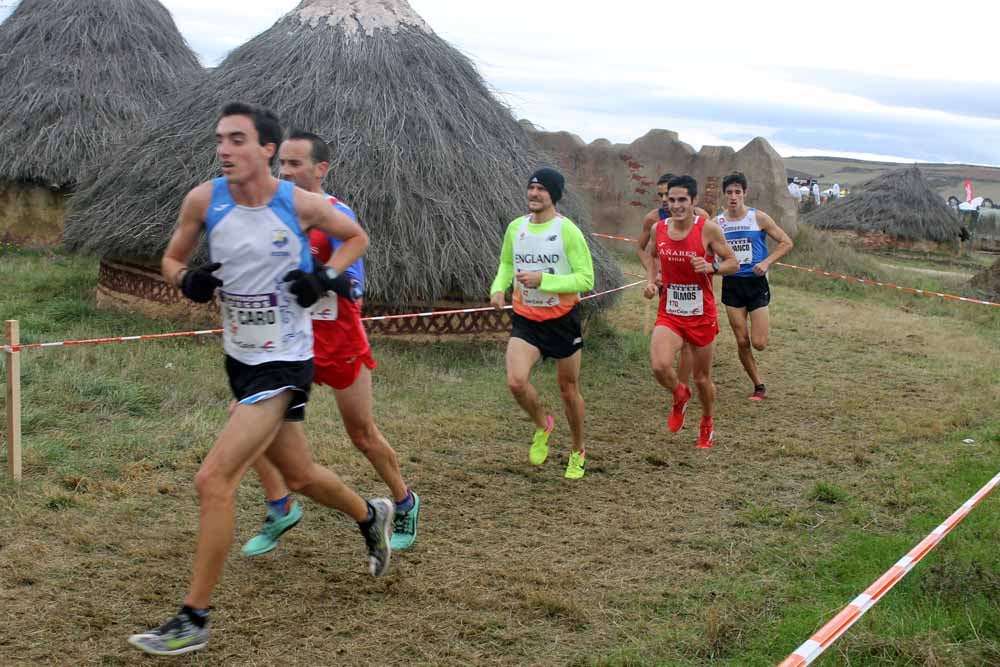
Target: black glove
{"x":308,"y":288}
{"x":199,"y":284}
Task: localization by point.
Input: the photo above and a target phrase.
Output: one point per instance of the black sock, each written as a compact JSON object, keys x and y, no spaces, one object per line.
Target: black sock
{"x":760,"y":387}
{"x":198,"y":617}
{"x":371,"y":516}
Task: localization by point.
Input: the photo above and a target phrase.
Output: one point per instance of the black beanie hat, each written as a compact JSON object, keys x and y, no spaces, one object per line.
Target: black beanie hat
{"x":551,"y":180}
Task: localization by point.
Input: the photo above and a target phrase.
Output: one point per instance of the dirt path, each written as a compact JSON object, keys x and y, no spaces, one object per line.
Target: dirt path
{"x":930,"y":272}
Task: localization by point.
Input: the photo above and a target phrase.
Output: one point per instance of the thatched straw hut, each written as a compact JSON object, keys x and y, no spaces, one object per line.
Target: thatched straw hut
{"x":74,"y":76}
{"x":897,"y":209}
{"x":434,"y":165}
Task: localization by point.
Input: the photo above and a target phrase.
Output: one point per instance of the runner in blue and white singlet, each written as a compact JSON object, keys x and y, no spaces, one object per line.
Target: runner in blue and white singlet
{"x":747,"y":294}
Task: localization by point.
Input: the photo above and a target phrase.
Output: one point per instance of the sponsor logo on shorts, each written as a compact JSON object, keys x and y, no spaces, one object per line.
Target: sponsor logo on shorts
{"x":577,"y":341}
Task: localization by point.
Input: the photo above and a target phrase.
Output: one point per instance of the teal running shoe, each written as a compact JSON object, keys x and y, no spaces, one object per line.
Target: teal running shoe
{"x":404,"y":527}
{"x":274,"y":527}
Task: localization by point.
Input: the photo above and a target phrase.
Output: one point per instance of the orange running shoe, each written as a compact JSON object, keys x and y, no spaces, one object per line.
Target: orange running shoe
{"x":706,"y":434}
{"x":759,"y":393}
{"x":675,"y":421}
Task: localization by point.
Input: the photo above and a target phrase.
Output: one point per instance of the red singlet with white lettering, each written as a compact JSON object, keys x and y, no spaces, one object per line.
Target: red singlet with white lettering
{"x":687,"y":301}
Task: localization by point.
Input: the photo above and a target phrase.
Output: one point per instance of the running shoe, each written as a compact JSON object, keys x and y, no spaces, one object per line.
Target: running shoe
{"x":378,"y":535}
{"x":272,"y":530}
{"x":540,"y":444}
{"x":759,"y":393}
{"x":404,"y":527}
{"x":682,"y":396}
{"x":175,"y":637}
{"x":706,"y":434}
{"x":576,"y":465}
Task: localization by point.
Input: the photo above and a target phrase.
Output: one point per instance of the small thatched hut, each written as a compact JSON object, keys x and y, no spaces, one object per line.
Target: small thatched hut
{"x":897,"y":209}
{"x":434,"y":165}
{"x":74,"y":76}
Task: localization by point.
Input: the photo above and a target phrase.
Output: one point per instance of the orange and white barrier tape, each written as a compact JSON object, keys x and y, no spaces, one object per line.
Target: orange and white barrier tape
{"x":829,"y":633}
{"x":216,"y":332}
{"x":864,"y":281}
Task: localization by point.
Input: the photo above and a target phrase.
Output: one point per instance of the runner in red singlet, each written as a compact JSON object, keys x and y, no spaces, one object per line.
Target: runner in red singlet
{"x":687,"y":316}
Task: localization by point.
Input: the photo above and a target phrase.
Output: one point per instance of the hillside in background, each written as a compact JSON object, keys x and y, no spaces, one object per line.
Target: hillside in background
{"x":947,"y":179}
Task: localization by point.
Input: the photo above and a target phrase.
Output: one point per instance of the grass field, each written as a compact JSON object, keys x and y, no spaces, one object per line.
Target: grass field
{"x":662,"y":555}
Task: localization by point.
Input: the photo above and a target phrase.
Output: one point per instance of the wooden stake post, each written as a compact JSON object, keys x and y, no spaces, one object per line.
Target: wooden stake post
{"x":13,"y":402}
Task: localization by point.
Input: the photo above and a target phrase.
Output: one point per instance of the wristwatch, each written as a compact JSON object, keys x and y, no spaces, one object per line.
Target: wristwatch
{"x":329,"y":273}
{"x":715,"y":265}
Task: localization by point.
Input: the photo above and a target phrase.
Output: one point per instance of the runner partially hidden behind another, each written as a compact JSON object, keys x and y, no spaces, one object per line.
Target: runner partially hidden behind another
{"x":547,"y":257}
{"x":687,"y":315}
{"x":343,"y":361}
{"x":747,"y":292}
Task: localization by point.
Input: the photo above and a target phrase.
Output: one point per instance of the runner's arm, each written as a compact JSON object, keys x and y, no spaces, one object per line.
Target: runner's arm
{"x":785,"y":243}
{"x":505,"y":272}
{"x":190,"y":224}
{"x":578,"y":254}
{"x":315,"y":211}
{"x":645,"y":257}
{"x":715,"y":242}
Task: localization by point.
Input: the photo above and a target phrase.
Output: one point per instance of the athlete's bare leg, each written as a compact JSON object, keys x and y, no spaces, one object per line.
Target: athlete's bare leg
{"x":270,"y":479}
{"x":290,"y":453}
{"x":663,"y":347}
{"x":568,"y":376}
{"x":245,"y":436}
{"x":760,"y":328}
{"x":756,"y":338}
{"x":702,"y":357}
{"x":355,"y":405}
{"x":685,"y":363}
{"x":521,"y":358}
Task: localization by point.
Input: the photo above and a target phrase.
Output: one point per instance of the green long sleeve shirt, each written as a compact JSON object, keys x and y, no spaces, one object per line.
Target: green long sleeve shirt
{"x":577,"y":253}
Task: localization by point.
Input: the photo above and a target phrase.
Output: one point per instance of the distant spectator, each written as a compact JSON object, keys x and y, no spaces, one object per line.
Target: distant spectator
{"x":815,"y":193}
{"x":793,"y":190}
{"x":836,"y":190}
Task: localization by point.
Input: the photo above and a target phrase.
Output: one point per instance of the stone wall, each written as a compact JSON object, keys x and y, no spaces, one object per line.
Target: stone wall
{"x":619,"y":181}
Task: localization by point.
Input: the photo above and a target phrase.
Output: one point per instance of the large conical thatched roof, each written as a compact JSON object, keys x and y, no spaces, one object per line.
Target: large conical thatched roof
{"x":901,"y":204}
{"x":434,"y":165}
{"x":77,"y":74}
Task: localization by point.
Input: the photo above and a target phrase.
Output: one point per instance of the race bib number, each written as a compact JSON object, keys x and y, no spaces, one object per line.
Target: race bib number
{"x":685,"y":300}
{"x":253,"y":321}
{"x":537,"y":298}
{"x":744,"y":251}
{"x":326,"y":309}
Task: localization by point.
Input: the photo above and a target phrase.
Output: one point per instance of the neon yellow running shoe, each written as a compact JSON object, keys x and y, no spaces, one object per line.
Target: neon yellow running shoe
{"x":576,"y":465}
{"x":540,"y":444}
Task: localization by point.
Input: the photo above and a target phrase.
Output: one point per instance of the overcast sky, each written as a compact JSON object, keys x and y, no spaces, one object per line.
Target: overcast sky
{"x":862,"y":78}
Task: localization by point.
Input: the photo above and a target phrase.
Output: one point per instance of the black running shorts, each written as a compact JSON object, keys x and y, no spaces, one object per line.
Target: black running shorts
{"x":750,"y":293}
{"x":559,"y":338}
{"x":253,"y":384}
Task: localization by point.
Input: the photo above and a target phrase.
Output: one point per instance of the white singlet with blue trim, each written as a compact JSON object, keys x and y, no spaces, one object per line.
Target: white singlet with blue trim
{"x":747,"y":239}
{"x":257,"y":248}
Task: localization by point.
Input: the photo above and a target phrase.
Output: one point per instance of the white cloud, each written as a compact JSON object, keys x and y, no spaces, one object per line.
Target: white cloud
{"x":595,"y":68}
